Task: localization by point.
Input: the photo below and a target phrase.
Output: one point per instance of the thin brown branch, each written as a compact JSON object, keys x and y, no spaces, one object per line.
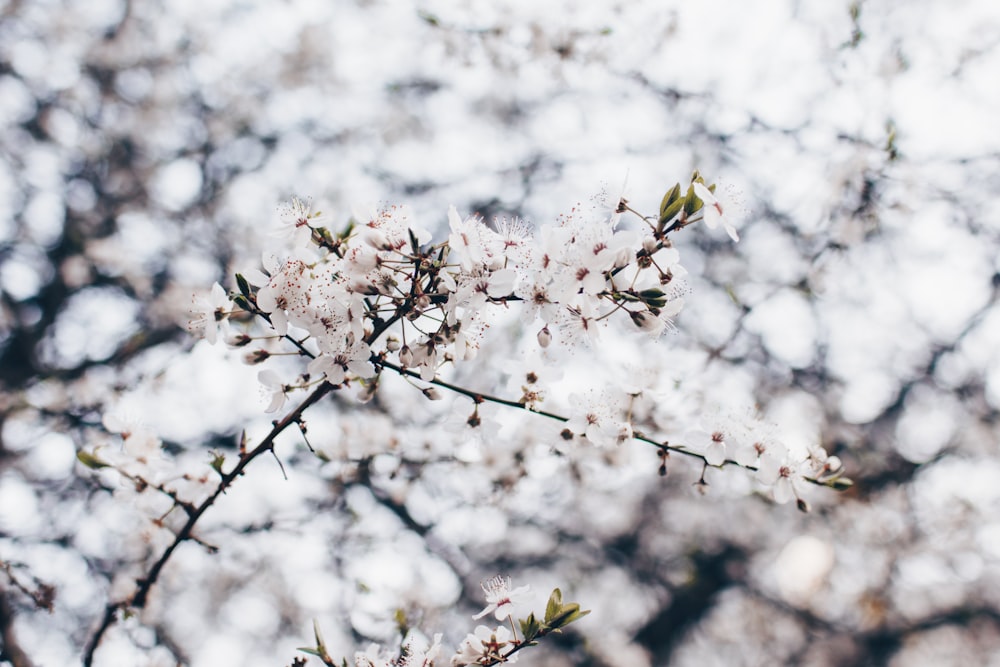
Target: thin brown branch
{"x":186,"y":533}
{"x":479,"y":397}
{"x":145,"y":585}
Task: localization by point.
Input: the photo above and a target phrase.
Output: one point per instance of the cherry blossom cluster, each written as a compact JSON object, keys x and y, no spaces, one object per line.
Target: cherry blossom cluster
{"x":379,"y":295}
{"x":570,"y":279}
{"x":486,"y":645}
{"x":380,"y":292}
{"x":747,"y":443}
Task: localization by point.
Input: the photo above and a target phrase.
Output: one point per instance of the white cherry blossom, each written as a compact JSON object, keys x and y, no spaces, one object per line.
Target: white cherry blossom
{"x":719,"y":208}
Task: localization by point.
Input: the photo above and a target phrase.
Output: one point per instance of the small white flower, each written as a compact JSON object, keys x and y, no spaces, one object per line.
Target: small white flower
{"x":501,"y":598}
{"x":210,"y":313}
{"x":477,"y":423}
{"x":417,"y":657}
{"x":580,"y":324}
{"x":719,"y":208}
{"x":486,"y":646}
{"x":297,"y":219}
{"x":596,"y":418}
{"x":354,"y":358}
{"x":713,"y":444}
{"x":273,"y":388}
{"x":139,"y":441}
{"x":467,"y":240}
{"x":779,"y":472}
{"x":515,"y":237}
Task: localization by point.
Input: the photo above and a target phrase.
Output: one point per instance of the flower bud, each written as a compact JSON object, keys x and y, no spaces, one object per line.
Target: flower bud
{"x":432,"y":394}
{"x":256,"y":356}
{"x":238,"y":340}
{"x":544,"y":336}
{"x":647,"y":321}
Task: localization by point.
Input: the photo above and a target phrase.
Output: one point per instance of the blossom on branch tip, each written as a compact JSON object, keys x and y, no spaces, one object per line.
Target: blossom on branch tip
{"x":718,"y":208}
{"x":501,"y":598}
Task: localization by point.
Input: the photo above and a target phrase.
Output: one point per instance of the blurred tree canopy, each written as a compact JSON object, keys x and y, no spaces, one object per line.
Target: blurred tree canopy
{"x":145,"y":146}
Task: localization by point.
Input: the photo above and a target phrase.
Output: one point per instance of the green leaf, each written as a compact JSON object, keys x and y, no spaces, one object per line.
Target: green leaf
{"x":671,"y":204}
{"x":530,"y":628}
{"x":243,"y":303}
{"x":559,"y":614}
{"x":320,"y":650}
{"x":90,"y":460}
{"x":671,"y":211}
{"x":570,"y":617}
{"x":691,"y":202}
{"x":673,"y":195}
{"x":653,"y":296}
{"x":319,"y":637}
{"x":217,"y":460}
{"x":244,"y":286}
{"x":553,"y":606}
{"x":841,"y":483}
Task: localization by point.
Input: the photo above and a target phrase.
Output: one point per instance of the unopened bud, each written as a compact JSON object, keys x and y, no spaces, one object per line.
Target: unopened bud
{"x":834,"y":465}
{"x":391,"y":343}
{"x":432,"y":394}
{"x":239,"y":340}
{"x":647,"y":321}
{"x":256,"y":356}
{"x":802,"y":505}
{"x":544,"y":336}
